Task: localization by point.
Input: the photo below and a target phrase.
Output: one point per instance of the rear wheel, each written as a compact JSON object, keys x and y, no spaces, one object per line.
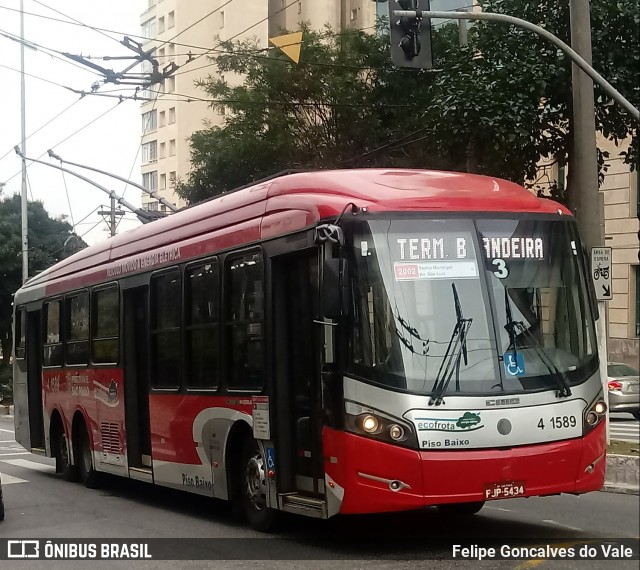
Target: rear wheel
{"x":461,"y":509}
{"x":88,"y":474}
{"x":63,"y":460}
{"x":253,"y":496}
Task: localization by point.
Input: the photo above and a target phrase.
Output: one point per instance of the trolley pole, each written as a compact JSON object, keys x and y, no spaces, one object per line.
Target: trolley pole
{"x":586,"y":201}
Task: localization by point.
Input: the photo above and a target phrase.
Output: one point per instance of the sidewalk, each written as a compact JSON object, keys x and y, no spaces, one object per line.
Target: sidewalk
{"x":623,"y":473}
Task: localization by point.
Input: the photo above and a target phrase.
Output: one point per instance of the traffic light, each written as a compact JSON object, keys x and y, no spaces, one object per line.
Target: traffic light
{"x":410,"y":35}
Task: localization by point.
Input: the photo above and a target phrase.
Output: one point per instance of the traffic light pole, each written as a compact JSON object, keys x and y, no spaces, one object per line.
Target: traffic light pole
{"x":579,"y":61}
{"x":587,"y":201}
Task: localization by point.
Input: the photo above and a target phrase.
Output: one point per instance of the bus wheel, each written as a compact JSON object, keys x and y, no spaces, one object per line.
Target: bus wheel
{"x":254,"y":489}
{"x":88,"y":474}
{"x":461,"y":509}
{"x":63,"y":462}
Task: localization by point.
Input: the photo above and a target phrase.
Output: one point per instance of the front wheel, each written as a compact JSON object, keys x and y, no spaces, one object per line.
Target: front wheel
{"x":253,"y":480}
{"x":461,"y":509}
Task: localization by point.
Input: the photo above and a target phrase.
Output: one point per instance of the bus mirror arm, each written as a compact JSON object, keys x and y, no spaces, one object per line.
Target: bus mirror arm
{"x":335,"y":288}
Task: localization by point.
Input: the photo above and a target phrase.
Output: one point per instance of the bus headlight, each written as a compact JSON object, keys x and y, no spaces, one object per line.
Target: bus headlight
{"x":374,"y":424}
{"x":396,"y":432}
{"x":594,"y":414}
{"x":369,"y":423}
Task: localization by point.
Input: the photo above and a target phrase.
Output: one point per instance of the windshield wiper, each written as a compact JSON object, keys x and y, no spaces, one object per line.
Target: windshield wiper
{"x":558,"y":376}
{"x":456,"y":350}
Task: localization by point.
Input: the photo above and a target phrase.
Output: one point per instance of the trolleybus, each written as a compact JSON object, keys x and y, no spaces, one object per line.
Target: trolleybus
{"x":324,"y":343}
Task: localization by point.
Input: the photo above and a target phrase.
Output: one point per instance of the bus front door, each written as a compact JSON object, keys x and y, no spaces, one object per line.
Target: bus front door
{"x":297,"y":386}
{"x":136,"y":381}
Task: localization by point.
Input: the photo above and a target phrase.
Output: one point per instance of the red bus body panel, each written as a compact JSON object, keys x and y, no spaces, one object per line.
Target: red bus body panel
{"x":437,"y":477}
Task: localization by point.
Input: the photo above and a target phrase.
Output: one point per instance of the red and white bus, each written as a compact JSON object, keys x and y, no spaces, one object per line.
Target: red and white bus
{"x":328,"y":342}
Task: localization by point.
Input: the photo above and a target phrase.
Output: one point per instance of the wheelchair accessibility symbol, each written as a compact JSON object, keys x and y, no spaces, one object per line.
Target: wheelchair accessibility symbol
{"x":514,"y":363}
{"x":271,"y":458}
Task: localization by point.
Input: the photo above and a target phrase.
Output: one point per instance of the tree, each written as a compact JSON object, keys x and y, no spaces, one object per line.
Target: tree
{"x":47,"y":245}
{"x":494,"y":107}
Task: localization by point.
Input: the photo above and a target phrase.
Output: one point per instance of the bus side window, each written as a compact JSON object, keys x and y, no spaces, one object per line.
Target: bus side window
{"x":202,"y":325}
{"x":166,"y":333}
{"x":77,"y":351}
{"x":52,"y":342}
{"x":105,"y":321}
{"x":244,"y":321}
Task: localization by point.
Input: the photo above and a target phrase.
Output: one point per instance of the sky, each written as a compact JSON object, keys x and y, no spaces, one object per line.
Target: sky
{"x":93,"y":130}
{"x":97,"y":131}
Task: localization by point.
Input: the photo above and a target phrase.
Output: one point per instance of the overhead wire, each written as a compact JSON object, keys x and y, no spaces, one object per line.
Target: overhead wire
{"x":75,"y":20}
{"x":46,"y":51}
{"x":42,"y":127}
{"x":69,"y":136}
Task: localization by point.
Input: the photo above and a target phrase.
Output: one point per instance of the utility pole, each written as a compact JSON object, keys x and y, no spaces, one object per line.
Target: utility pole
{"x":23,"y":197}
{"x":112,"y":213}
{"x":586,"y":201}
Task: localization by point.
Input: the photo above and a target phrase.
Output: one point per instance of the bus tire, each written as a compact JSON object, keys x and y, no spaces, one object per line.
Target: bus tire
{"x":253,"y":489}
{"x":460,"y":509}
{"x":88,"y":474}
{"x":63,"y":460}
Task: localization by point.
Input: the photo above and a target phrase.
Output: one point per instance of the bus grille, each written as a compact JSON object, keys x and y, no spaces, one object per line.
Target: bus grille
{"x":110,"y":437}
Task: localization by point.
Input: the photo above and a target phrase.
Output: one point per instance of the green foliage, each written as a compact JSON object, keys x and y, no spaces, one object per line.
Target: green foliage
{"x":493,"y":107}
{"x":46,"y":246}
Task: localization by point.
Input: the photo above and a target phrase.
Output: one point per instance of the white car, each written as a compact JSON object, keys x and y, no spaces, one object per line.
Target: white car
{"x":624,"y":388}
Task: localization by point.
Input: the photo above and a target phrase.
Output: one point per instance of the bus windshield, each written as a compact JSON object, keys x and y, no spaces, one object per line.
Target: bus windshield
{"x":457,"y":306}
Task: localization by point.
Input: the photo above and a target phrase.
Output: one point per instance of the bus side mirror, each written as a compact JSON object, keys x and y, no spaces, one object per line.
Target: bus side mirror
{"x":335,"y":288}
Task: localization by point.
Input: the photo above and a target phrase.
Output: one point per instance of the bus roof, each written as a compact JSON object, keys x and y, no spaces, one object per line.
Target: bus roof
{"x":288,"y":203}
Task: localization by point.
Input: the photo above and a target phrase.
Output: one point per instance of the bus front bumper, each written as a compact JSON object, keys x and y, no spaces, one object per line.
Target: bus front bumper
{"x":379,"y":477}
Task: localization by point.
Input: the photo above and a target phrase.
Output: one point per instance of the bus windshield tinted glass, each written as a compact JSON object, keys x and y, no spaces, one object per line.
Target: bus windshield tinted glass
{"x":542,"y":308}
{"x":418,"y":281}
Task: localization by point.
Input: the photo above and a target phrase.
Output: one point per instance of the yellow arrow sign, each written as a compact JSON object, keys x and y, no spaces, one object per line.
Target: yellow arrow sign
{"x":290,"y":44}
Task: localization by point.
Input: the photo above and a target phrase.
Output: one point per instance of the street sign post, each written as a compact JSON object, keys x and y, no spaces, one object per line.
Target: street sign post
{"x":601,"y":272}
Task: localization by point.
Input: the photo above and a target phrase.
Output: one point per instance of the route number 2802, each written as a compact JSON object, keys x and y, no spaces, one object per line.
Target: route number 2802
{"x":559,"y":422}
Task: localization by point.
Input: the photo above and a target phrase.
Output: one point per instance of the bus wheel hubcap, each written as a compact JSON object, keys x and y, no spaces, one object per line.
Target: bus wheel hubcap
{"x":256,"y":482}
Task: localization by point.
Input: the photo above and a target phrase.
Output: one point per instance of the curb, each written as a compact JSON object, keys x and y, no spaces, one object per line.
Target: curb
{"x":622,"y":474}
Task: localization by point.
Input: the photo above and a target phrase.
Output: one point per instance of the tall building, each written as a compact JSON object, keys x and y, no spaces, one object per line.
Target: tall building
{"x":176,"y":28}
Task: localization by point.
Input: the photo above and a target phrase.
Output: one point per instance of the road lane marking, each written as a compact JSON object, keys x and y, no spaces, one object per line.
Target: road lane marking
{"x":549,"y":521}
{"x":2,"y":454}
{"x":30,"y":465}
{"x":499,"y":509}
{"x":7,"y":430}
{"x":8,"y":479}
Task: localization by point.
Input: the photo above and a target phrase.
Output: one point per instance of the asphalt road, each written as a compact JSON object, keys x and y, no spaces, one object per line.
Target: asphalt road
{"x":41,"y":505}
{"x":624,"y":427}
